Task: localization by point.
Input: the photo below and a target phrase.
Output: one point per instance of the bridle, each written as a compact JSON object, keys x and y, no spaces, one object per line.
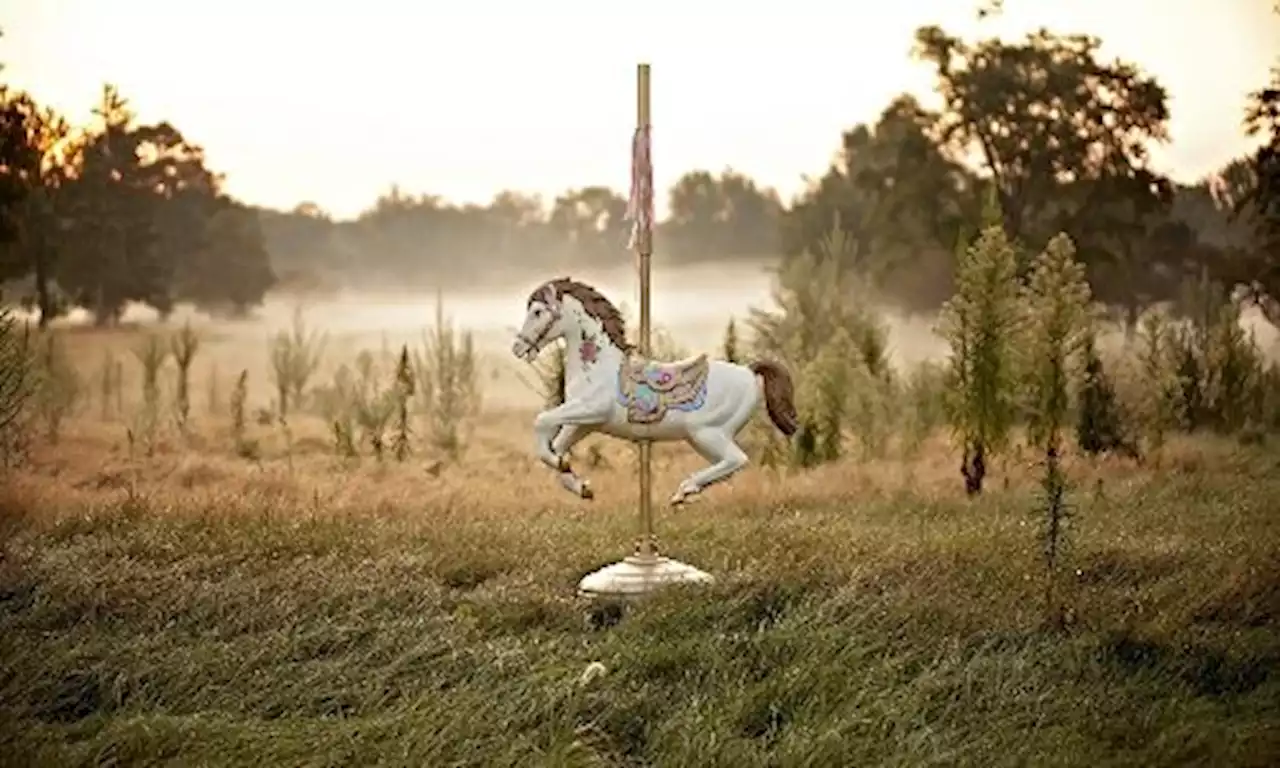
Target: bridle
{"x":536,"y":342}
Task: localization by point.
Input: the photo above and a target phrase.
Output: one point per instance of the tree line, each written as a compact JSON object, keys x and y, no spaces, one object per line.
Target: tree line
{"x":119,"y":212}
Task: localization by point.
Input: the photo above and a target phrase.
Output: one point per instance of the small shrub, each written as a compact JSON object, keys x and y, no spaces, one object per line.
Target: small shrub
{"x":109,"y":385}
{"x":923,"y":394}
{"x":152,"y":354}
{"x":57,"y":386}
{"x":372,"y":414}
{"x":874,"y":405}
{"x":295,"y":357}
{"x":449,"y":382}
{"x":825,"y":397}
{"x":241,"y":444}
{"x":1159,"y":405}
{"x":1233,"y":366}
{"x":1100,"y":426}
{"x":183,"y":346}
{"x":337,"y":404}
{"x":17,"y":382}
{"x":1265,"y":408}
{"x":822,"y":329}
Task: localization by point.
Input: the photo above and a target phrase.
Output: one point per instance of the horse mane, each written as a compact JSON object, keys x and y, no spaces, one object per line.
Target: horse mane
{"x":594,"y":304}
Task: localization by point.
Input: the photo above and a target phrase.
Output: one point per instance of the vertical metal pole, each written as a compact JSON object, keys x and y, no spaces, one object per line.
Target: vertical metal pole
{"x":644,"y":248}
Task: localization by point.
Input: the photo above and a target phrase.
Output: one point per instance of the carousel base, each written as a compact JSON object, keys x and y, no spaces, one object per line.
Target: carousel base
{"x":639,"y":575}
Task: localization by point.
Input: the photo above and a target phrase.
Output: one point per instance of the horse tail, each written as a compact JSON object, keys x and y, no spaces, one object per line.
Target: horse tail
{"x":779,"y":395}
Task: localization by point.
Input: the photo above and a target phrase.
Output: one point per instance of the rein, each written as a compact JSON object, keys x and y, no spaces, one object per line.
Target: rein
{"x":536,"y":343}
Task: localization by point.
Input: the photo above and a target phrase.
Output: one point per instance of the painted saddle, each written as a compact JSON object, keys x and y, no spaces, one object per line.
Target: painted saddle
{"x":648,"y":388}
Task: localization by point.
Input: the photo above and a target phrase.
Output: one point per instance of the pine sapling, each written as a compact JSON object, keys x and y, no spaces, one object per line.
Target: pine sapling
{"x":1100,"y":426}
{"x":1234,"y":364}
{"x":1057,"y":302}
{"x":404,"y":388}
{"x":1159,"y":410}
{"x":982,"y":324}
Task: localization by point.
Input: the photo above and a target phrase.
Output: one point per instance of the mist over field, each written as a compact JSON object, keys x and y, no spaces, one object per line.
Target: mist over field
{"x":692,"y":304}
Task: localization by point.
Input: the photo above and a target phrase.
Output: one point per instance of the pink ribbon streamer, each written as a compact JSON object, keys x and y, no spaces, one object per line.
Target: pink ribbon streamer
{"x":640,"y":205}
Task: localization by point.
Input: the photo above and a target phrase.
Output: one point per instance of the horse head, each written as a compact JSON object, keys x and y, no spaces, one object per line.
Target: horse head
{"x":561,"y":307}
{"x":544,"y":322}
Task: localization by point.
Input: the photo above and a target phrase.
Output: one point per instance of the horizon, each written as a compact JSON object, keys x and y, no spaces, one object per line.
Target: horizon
{"x":498,"y":135}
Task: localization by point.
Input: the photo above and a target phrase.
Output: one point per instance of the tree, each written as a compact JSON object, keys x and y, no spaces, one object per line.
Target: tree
{"x":140,"y":217}
{"x":1258,"y":200}
{"x":902,"y":202}
{"x":184,"y":196}
{"x":36,"y":165}
{"x":111,"y":255}
{"x":725,"y":216}
{"x":15,"y":152}
{"x":1062,"y":135}
{"x":232,"y":269}
{"x":591,"y":221}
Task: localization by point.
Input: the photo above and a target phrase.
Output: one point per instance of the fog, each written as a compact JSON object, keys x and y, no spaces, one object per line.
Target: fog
{"x":690,"y":304}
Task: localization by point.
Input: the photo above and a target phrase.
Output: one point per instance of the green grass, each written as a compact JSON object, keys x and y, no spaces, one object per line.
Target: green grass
{"x":852,"y":627}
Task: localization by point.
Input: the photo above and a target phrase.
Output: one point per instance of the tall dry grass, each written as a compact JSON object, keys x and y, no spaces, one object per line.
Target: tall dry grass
{"x":247,"y":594}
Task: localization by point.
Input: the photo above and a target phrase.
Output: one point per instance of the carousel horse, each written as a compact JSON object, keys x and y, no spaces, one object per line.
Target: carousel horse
{"x":609,"y":389}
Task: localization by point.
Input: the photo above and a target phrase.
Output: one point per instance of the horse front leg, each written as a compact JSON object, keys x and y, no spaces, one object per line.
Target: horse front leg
{"x":556,"y":430}
{"x":570,"y":435}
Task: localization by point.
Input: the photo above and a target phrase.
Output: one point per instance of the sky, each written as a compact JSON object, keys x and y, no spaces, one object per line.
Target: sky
{"x":333,"y":102}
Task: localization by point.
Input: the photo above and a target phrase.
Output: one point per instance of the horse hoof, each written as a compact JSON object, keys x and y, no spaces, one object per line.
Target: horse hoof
{"x":586,"y":491}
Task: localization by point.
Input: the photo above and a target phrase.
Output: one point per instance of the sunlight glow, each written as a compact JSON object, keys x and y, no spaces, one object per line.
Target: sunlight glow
{"x":332,"y":103}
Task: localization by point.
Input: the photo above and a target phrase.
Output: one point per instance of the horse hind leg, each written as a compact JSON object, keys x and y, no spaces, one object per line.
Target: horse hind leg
{"x":718,"y":447}
{"x":570,"y":435}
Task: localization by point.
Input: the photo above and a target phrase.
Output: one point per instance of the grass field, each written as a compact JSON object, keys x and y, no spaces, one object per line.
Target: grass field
{"x":195,"y":608}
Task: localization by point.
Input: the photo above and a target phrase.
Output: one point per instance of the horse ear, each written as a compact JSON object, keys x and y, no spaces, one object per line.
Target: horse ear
{"x":548,"y":295}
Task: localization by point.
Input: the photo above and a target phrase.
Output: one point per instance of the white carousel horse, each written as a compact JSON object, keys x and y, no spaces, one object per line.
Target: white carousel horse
{"x":610,"y":390}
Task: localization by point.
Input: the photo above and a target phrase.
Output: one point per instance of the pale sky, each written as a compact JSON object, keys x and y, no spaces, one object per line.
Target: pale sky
{"x":332,"y":102}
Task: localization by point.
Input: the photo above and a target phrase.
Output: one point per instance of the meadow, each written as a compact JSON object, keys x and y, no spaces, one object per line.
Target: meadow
{"x":231,"y":589}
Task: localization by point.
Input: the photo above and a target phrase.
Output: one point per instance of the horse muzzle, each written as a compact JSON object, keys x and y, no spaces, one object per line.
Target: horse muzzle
{"x":523,"y":350}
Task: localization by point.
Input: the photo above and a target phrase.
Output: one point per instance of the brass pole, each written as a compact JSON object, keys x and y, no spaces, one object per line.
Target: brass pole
{"x":644,"y":248}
